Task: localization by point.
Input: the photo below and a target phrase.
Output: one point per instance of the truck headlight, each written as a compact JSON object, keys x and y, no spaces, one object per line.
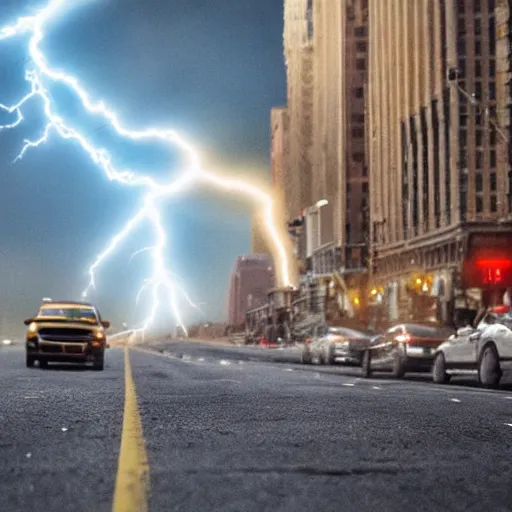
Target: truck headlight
{"x":32,"y":331}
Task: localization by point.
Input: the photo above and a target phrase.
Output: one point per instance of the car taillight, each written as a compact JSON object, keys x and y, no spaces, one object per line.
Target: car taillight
{"x":403,"y":338}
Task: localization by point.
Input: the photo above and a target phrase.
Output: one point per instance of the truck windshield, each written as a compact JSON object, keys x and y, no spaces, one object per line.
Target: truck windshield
{"x":73,"y":314}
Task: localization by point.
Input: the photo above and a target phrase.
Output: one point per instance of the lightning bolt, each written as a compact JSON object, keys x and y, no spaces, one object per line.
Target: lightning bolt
{"x":163,"y":283}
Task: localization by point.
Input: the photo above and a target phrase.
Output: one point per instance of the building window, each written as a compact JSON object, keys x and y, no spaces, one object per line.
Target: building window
{"x":478,"y":90}
{"x":478,"y":68}
{"x":492,"y":36}
{"x":361,"y":47}
{"x":349,"y":188}
{"x":479,"y":135}
{"x":357,"y":133}
{"x":358,"y":157}
{"x":492,"y":68}
{"x":478,"y":48}
{"x":493,"y":159}
{"x":360,"y":64}
{"x":478,"y":26}
{"x":479,"y":160}
{"x":359,"y":92}
{"x":492,"y":136}
{"x":365,"y":171}
{"x":360,"y":31}
{"x":479,"y":204}
{"x":494,"y":204}
{"x":365,"y":188}
{"x":358,"y":118}
{"x":479,"y":182}
{"x":492,"y":91}
{"x":347,"y":232}
{"x":478,"y":7}
{"x":492,"y":179}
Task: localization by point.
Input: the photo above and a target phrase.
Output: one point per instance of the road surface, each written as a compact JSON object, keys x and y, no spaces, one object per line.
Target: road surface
{"x":230,"y":434}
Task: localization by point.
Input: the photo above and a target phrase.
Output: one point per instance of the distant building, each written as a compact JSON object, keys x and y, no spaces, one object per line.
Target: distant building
{"x":298,"y":52}
{"x":252,"y":278}
{"x":259,"y":243}
{"x":279,"y":161}
{"x":440,"y":157}
{"x":339,"y":164}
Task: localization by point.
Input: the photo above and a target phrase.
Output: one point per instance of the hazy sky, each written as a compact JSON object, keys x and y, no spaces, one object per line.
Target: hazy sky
{"x":210,"y":69}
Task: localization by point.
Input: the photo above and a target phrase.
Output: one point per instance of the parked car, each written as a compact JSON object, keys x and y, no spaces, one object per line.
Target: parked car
{"x":483,"y":351}
{"x":404,"y":348}
{"x":331,"y":345}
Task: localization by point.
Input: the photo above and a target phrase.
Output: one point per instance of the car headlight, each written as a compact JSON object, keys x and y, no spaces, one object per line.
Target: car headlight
{"x":32,"y":331}
{"x":99,"y":335}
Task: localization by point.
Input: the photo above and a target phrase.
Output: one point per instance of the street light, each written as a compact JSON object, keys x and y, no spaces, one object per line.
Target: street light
{"x":310,"y":211}
{"x":453,"y":77}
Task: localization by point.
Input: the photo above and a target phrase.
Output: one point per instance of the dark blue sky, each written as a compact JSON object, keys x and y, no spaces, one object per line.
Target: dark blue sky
{"x":210,"y":69}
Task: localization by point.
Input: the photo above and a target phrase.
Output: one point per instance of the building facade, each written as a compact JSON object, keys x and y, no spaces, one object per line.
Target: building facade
{"x":250,"y":282}
{"x":259,"y":243}
{"x":298,"y":53}
{"x":438,"y":139}
{"x":282,"y":178}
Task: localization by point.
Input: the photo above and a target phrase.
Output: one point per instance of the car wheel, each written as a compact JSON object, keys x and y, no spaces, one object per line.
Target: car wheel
{"x":366,"y":365}
{"x":29,"y":361}
{"x":304,"y":359}
{"x":439,"y":375}
{"x":398,"y":368}
{"x":489,"y":371}
{"x":328,"y":358}
{"x":98,"y":363}
{"x":43,"y":363}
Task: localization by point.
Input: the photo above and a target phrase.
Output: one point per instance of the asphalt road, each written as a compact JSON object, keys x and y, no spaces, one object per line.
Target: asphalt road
{"x":228,"y":433}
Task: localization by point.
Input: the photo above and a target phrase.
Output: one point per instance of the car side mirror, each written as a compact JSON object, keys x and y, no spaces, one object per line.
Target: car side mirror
{"x":28,"y":321}
{"x":105,"y":324}
{"x":475,"y":336}
{"x":464,"y":331}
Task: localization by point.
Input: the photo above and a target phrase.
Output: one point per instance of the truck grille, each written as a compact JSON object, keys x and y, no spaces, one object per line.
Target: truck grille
{"x":65,"y":334}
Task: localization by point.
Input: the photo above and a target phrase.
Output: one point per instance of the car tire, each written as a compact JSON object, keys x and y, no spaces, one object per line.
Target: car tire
{"x":99,"y":363}
{"x":43,"y":363}
{"x":439,"y":375}
{"x":328,"y":358}
{"x":304,"y":359}
{"x":366,"y":364}
{"x":29,"y":361}
{"x":398,"y":368}
{"x":489,"y":370}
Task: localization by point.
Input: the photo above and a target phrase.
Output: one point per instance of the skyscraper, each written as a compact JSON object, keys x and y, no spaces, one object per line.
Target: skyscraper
{"x":251,"y":279}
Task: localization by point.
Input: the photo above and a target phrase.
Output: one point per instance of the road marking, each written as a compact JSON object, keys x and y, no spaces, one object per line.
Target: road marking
{"x":455,"y":400}
{"x":348,"y":385}
{"x":376,"y":387}
{"x":508,"y":424}
{"x":132,"y":481}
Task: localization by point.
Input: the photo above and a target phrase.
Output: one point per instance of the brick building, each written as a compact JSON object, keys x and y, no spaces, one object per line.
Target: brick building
{"x":250,"y":281}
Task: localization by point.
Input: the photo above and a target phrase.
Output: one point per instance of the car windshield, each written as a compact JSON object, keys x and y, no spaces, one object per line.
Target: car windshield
{"x":428,"y":331}
{"x":499,"y":316}
{"x":70,"y":313}
{"x":348,"y":333}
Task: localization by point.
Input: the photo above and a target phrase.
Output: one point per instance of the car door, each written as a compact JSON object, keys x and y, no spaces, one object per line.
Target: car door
{"x":382,"y":354}
{"x":462,"y":348}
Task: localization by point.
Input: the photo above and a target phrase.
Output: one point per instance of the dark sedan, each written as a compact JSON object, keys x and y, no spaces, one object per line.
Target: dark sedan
{"x":404,"y":348}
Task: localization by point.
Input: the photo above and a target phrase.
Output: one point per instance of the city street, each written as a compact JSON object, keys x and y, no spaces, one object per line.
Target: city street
{"x":231,"y":433}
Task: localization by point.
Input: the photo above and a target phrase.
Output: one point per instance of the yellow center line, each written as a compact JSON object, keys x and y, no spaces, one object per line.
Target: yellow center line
{"x":132,"y":481}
